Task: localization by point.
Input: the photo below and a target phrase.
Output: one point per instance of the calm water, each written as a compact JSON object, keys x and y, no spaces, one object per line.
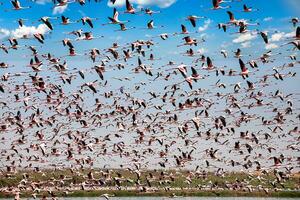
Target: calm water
{"x":184,"y":198}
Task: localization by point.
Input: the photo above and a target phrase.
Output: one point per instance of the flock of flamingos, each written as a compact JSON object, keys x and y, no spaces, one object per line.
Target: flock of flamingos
{"x":133,"y":106}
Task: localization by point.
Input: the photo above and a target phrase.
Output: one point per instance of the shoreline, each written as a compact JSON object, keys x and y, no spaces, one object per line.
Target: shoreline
{"x":161,"y":193}
{"x":163,"y":183}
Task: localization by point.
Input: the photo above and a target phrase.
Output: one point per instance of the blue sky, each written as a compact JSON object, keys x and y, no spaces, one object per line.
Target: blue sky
{"x":278,"y":12}
{"x":273,"y":16}
{"x":171,"y":17}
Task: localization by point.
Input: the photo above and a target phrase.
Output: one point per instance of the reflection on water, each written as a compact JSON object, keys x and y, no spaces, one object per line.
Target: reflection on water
{"x":181,"y":198}
{"x":184,"y":198}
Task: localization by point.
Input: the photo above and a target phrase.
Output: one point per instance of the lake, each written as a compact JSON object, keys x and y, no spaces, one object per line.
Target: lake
{"x":184,"y":198}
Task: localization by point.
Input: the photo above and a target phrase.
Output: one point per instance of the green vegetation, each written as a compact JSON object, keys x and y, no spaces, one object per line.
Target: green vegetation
{"x":95,"y":182}
{"x":282,"y":194}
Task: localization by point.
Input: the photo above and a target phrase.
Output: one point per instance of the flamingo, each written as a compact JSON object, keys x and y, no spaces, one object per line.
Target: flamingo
{"x":65,"y":20}
{"x":295,"y":21}
{"x":46,"y":21}
{"x":14,"y":43}
{"x":193,"y":18}
{"x":129,"y":8}
{"x":94,"y":53}
{"x":17,"y":6}
{"x":248,"y":9}
{"x":67,"y":42}
{"x":4,"y":48}
{"x":297,"y":36}
{"x":183,"y":29}
{"x":264,"y":35}
{"x":56,"y":113}
{"x":115,"y":18}
{"x":150,"y":12}
{"x":81,"y":2}
{"x":245,"y":71}
{"x":209,"y":63}
{"x":296,"y":43}
{"x":62,"y":3}
{"x":39,"y":37}
{"x":231,"y":17}
{"x":124,"y":28}
{"x":77,"y":33}
{"x":224,"y":53}
{"x":87,"y":20}
{"x":4,"y":65}
{"x":189,"y":41}
{"x":216,"y":5}
{"x":223,"y":26}
{"x":88,"y":36}
{"x":150,"y":25}
{"x":21,"y":22}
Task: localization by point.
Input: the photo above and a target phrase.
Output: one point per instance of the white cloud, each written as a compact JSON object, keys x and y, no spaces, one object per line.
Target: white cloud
{"x":59,"y":9}
{"x":271,"y":46}
{"x":244,"y":37}
{"x":56,"y":9}
{"x":281,"y":35}
{"x":291,"y":34}
{"x":4,"y":33}
{"x":202,"y":50}
{"x":225,"y":45}
{"x":24,"y":30}
{"x":43,"y":2}
{"x":159,"y":3}
{"x":267,"y":19}
{"x":277,"y":37}
{"x":205,"y":26}
{"x":246,"y":44}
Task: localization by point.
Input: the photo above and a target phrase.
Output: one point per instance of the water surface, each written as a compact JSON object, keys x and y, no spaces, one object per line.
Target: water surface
{"x":181,"y":198}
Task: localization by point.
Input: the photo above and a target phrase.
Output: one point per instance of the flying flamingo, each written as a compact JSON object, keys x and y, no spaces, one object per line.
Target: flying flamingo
{"x":88,"y":36}
{"x":87,"y":20}
{"x":150,"y":25}
{"x":46,"y":21}
{"x":65,"y":20}
{"x":216,"y":5}
{"x":124,"y":28}
{"x":248,"y":9}
{"x":62,"y":3}
{"x":189,"y":41}
{"x":150,"y":12}
{"x":129,"y":8}
{"x":193,"y":19}
{"x":17,"y":6}
{"x":244,"y":69}
{"x":115,"y":18}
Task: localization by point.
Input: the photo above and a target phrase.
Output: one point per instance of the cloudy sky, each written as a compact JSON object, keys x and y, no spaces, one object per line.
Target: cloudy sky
{"x":273,"y":17}
{"x":172,"y":14}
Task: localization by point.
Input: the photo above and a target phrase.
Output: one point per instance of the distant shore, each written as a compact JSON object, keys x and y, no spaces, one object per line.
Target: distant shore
{"x":161,"y":193}
{"x":126,"y":183}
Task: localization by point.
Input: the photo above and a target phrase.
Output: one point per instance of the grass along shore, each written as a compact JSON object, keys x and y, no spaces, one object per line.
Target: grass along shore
{"x":116,"y":182}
